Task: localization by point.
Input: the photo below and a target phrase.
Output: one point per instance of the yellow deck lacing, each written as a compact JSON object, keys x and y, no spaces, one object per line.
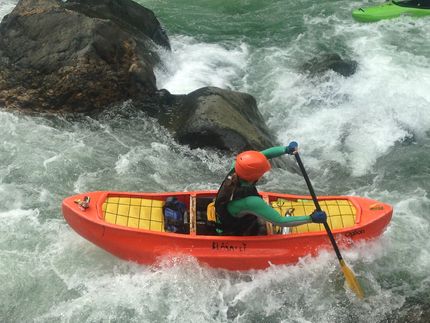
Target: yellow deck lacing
{"x":148,"y":214}
{"x":134,"y":213}
{"x":340,"y":213}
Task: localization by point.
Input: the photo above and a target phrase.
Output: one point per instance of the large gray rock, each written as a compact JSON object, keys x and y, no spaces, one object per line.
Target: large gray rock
{"x":76,"y":55}
{"x":84,"y":56}
{"x":223,"y":119}
{"x":326,"y":62}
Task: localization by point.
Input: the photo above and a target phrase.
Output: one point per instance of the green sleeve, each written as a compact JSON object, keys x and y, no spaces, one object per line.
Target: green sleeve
{"x":274,"y":152}
{"x":256,"y":205}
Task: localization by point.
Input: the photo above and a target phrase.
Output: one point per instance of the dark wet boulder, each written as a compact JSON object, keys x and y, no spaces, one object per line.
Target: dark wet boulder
{"x":85,"y":56}
{"x":222,"y":119}
{"x":77,"y":55}
{"x":128,"y":15}
{"x":324,"y":63}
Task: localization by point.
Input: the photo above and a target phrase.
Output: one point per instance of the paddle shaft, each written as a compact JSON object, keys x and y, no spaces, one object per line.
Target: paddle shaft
{"x":317,"y":205}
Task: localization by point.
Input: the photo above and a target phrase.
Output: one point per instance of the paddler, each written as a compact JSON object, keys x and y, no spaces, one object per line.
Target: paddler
{"x":240,"y":209}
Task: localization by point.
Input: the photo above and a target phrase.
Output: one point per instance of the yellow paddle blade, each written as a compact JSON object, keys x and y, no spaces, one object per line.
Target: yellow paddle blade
{"x":351,"y":280}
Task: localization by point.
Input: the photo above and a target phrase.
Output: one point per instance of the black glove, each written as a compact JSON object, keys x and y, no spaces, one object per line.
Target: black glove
{"x":291,"y":148}
{"x":318,"y":216}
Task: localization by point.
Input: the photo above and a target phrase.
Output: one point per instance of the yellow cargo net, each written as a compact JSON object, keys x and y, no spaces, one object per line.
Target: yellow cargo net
{"x":134,"y":213}
{"x":340,"y":213}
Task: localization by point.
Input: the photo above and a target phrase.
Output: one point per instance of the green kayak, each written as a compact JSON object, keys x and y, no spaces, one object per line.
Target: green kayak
{"x":393,"y":9}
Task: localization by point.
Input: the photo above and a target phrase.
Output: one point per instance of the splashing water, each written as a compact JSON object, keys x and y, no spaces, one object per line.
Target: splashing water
{"x":365,"y":135}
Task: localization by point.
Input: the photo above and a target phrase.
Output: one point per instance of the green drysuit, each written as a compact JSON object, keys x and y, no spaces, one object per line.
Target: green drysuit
{"x":257,"y":206}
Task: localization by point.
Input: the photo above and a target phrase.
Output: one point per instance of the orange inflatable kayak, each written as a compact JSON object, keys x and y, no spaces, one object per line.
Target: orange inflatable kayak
{"x":131,"y":226}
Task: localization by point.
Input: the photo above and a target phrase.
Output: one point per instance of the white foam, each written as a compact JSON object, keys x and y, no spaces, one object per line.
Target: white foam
{"x":6,"y":7}
{"x":192,"y":65}
{"x":353,"y":120}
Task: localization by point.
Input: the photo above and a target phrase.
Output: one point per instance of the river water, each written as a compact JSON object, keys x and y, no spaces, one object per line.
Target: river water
{"x":366,"y":135}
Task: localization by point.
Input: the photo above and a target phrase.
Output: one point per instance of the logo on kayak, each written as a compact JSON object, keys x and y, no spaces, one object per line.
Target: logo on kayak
{"x":354,"y":233}
{"x":226,"y":246}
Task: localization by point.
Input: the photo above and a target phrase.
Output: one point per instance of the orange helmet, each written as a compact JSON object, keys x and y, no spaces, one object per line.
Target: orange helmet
{"x":251,"y":165}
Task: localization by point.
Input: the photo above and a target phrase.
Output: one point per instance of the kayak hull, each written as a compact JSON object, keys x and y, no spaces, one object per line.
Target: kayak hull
{"x":387,"y":11}
{"x":230,"y":252}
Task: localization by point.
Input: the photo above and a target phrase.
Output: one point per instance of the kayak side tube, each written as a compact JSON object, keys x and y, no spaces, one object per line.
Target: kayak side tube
{"x":229,"y":252}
